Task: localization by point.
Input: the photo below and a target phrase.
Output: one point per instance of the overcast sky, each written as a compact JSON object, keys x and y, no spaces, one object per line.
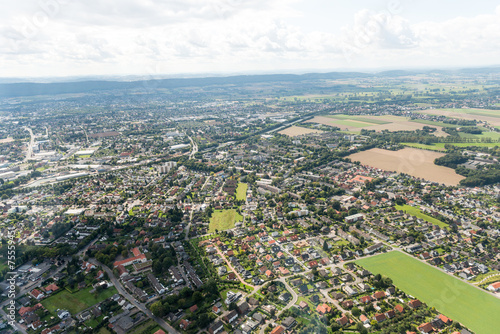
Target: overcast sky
{"x":145,"y":37}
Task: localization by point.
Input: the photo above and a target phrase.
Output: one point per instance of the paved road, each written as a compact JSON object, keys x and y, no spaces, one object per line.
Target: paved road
{"x":133,"y":301}
{"x":29,"y":152}
{"x":292,"y":302}
{"x":194,"y":148}
{"x":234,"y":270}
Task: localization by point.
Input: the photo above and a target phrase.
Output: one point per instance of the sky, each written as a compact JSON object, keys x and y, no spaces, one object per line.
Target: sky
{"x":61,"y":38}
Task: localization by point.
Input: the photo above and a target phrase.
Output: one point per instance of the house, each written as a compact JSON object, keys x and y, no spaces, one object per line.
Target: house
{"x":289,"y":322}
{"x":51,"y":288}
{"x":415,"y":303}
{"x":36,"y":324}
{"x":379,"y":295}
{"x":243,"y":308}
{"x":285,"y":297}
{"x":343,"y":320}
{"x":323,"y":309}
{"x":216,"y":327}
{"x":303,"y":305}
{"x":231,"y":316}
{"x":445,"y":319}
{"x":63,"y":314}
{"x":425,"y":328}
{"x":347,"y":303}
{"x":399,"y":308}
{"x":37,"y":294}
{"x":379,"y":317}
{"x":494,"y":287}
{"x":365,"y":299}
{"x":364,"y":319}
{"x":278,"y":330}
{"x":184,"y":324}
{"x":216,"y":309}
{"x":390,"y":314}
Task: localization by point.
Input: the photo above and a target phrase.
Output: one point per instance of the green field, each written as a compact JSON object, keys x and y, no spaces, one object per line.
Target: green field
{"x":419,"y":214}
{"x":440,"y":146}
{"x":456,"y":299}
{"x":241,"y":191}
{"x":76,"y":302}
{"x":432,"y":123}
{"x":223,"y":220}
{"x":434,"y":147}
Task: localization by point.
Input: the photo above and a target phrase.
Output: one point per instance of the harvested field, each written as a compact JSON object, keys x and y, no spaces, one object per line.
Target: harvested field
{"x":295,"y":131}
{"x":6,"y":140}
{"x":411,"y":161}
{"x":377,"y":123}
{"x":490,"y":116}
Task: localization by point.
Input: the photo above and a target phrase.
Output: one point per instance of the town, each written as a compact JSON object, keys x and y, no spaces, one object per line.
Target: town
{"x":255,"y":208}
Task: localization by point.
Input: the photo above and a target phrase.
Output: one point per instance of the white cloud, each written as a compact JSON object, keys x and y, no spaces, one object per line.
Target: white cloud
{"x":62,"y":37}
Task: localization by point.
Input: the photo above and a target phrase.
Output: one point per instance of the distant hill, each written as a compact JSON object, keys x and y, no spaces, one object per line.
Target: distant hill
{"x":31,"y":88}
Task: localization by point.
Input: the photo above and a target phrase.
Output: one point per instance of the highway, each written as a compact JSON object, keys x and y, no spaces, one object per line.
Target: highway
{"x":194,"y":149}
{"x":29,"y":152}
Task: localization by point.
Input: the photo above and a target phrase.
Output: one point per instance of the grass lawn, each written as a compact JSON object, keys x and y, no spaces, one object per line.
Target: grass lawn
{"x":419,"y":214}
{"x":456,"y":299}
{"x":147,"y":327}
{"x":435,"y":147}
{"x":103,"y":330}
{"x":223,"y":220}
{"x":76,"y":302}
{"x":241,"y":191}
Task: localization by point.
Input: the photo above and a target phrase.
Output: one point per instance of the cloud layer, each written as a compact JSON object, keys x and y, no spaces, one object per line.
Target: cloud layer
{"x":62,"y":37}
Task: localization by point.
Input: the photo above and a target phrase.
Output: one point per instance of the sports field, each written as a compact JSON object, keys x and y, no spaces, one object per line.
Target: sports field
{"x":456,"y":299}
{"x":419,"y":214}
{"x":241,"y":191}
{"x":76,"y":302}
{"x":223,"y":220}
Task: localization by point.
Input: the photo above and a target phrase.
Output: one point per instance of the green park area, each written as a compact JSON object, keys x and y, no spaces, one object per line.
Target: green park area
{"x":460,"y":301}
{"x":223,"y":220}
{"x":241,"y":191}
{"x":419,"y":214}
{"x":76,"y":302}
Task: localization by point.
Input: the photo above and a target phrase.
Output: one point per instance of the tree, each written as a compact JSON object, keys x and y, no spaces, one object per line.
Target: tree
{"x":325,"y":246}
{"x":356,"y":312}
{"x":203,"y":320}
{"x":197,"y":296}
{"x":158,"y":309}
